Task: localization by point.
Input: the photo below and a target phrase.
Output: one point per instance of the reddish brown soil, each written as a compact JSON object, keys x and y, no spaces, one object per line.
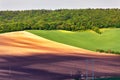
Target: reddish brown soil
{"x":24,"y":56}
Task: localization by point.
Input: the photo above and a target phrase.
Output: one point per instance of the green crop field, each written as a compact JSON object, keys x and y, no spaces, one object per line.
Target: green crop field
{"x":108,"y":40}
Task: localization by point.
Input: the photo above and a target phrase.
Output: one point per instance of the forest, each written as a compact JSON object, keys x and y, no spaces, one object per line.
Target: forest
{"x":61,"y":19}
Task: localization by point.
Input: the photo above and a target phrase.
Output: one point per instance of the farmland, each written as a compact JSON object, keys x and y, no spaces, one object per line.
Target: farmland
{"x":60,"y":44}
{"x":108,"y":40}
{"x":25,"y":56}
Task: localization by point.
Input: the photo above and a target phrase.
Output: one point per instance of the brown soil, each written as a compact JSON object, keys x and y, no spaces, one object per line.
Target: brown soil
{"x":24,"y":56}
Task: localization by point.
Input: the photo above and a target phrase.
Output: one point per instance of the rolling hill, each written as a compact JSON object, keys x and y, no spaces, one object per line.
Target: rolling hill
{"x":25,"y":56}
{"x":108,"y":40}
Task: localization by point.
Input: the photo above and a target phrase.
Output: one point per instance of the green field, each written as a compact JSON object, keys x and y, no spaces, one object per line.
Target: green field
{"x":108,"y":40}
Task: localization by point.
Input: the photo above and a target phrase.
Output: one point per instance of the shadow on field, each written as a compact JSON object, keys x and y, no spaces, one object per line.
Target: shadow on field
{"x":54,"y":67}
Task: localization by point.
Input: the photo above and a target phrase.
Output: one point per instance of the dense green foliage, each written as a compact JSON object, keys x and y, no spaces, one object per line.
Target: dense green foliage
{"x":107,"y":51}
{"x":108,"y":40}
{"x":64,"y":19}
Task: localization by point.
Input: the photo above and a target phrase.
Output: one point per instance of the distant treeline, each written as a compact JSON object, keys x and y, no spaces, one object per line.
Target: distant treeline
{"x":64,"y":19}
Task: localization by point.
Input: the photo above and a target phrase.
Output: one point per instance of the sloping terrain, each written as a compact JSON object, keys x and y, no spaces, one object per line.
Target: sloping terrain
{"x":90,"y":40}
{"x":24,"y":43}
{"x":25,"y":56}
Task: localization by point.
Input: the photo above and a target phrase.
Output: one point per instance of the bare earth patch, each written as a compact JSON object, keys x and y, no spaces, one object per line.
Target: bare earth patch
{"x":24,"y":43}
{"x":25,"y":56}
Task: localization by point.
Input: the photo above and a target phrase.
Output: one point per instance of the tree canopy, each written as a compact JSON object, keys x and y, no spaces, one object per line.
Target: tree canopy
{"x":64,"y":19}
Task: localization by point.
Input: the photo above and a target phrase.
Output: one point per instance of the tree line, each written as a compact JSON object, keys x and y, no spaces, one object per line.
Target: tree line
{"x":61,"y":19}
